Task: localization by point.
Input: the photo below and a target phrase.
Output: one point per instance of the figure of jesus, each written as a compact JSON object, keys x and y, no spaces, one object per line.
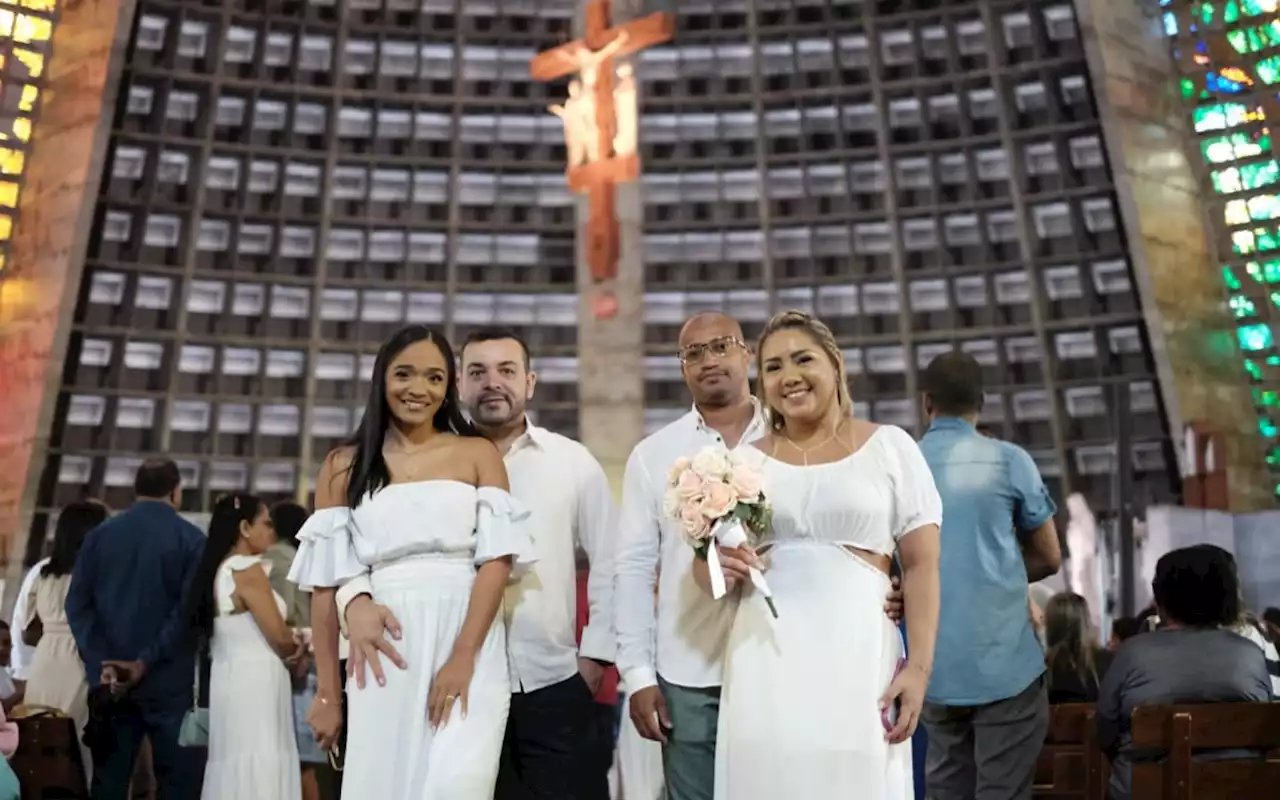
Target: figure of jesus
{"x":589,"y":61}
{"x":578,"y":114}
{"x":626,"y":112}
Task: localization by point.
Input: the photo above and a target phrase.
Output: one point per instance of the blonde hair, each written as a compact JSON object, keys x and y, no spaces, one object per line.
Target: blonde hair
{"x":825,"y":339}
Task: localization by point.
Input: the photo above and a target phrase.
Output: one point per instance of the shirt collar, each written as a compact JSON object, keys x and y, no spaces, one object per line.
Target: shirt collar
{"x":757,"y":420}
{"x":951,"y":424}
{"x":533,"y":436}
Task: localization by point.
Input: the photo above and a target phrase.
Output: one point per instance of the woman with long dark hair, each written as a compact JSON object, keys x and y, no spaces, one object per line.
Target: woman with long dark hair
{"x":56,"y":676}
{"x":232,"y":608}
{"x":416,"y":509}
{"x":1075,"y":660}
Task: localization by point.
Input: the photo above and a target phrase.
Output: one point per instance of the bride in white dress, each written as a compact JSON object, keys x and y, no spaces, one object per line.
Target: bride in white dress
{"x":417,"y":511}
{"x":803,"y":709}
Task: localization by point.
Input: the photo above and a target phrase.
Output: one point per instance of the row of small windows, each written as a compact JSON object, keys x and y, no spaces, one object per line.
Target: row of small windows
{"x":338,"y":305}
{"x":405,"y":58}
{"x":1050,"y":221}
{"x":224,"y":172}
{"x":363,"y":122}
{"x":221,"y":476}
{"x":1063,"y":282}
{"x":342,"y":244}
{"x":868,"y":177}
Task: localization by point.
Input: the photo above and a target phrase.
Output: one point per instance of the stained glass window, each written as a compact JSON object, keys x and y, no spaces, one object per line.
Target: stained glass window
{"x":26,"y":28}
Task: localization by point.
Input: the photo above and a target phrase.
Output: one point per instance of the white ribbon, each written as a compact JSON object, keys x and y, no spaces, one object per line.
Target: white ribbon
{"x":731,"y":533}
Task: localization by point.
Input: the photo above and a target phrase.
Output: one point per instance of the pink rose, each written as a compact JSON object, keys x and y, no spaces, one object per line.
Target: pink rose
{"x":688,"y":484}
{"x":746,"y":481}
{"x":677,"y":469}
{"x":718,"y":501}
{"x":695,"y":525}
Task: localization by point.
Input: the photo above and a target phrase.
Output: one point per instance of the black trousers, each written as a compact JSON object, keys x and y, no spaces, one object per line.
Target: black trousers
{"x":553,"y":746}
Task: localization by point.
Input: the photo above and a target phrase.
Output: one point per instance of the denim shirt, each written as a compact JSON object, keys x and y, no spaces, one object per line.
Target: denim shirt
{"x":992,"y":494}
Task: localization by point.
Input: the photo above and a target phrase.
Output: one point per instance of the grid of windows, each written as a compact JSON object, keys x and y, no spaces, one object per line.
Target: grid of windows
{"x":287,"y":183}
{"x":924,"y":176}
{"x":289,"y":180}
{"x":1229,"y":105}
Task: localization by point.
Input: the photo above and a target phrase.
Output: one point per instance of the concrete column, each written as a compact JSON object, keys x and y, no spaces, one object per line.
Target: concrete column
{"x":611,"y":351}
{"x":1165,"y":208}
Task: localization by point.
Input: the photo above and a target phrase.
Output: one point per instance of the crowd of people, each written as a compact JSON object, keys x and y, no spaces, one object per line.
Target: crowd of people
{"x":468,"y":614}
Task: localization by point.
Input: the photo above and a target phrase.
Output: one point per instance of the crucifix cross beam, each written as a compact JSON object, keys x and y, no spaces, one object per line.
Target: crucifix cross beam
{"x":601,"y":118}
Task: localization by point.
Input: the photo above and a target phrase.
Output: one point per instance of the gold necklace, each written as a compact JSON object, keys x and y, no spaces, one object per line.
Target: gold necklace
{"x":805,"y":451}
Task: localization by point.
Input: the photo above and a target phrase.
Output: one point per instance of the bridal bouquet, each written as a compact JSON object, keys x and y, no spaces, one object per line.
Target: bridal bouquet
{"x":717,"y":498}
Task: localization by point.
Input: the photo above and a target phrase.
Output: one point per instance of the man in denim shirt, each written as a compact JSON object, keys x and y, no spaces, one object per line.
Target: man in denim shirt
{"x":987,"y":708}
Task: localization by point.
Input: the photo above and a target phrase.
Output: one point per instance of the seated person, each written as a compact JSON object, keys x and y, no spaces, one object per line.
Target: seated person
{"x":1190,"y":658}
{"x":1072,"y":656}
{"x":1124,"y":629}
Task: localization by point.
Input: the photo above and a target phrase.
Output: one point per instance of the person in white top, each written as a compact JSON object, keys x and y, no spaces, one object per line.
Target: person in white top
{"x":822,"y":702}
{"x":672,"y":660}
{"x":20,"y":661}
{"x":549,"y":743}
{"x":416,"y":509}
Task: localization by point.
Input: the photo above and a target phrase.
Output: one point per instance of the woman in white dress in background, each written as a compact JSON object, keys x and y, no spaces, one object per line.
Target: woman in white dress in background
{"x":417,"y":510}
{"x":253,"y":750}
{"x":803,"y":709}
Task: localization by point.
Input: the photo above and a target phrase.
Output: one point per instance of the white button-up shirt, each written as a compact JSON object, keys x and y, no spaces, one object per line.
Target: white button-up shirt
{"x":692,"y":628}
{"x":571,"y":506}
{"x":20,"y":661}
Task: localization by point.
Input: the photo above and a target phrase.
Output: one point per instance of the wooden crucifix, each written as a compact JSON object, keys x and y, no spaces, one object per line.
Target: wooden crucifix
{"x":601,"y":122}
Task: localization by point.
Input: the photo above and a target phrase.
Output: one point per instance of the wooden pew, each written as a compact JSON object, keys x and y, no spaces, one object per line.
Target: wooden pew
{"x":1070,"y":766}
{"x":1181,"y":730}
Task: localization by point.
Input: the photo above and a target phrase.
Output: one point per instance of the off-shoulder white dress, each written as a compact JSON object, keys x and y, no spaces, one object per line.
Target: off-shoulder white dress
{"x":418,"y":546}
{"x":799,"y":710}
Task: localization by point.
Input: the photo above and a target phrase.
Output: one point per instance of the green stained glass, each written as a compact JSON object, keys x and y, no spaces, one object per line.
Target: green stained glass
{"x":1273,"y":361}
{"x":1268,"y":428}
{"x":1254,"y":338}
{"x":1242,"y":307}
{"x":1264,"y":272}
{"x":1188,"y":88}
{"x":1234,"y":146}
{"x":1268,"y":70}
{"x":1229,"y":277}
{"x":1245,"y":178}
{"x":1275,"y":300}
{"x":1207,"y":13}
{"x":1231,"y":12}
{"x":1253,"y":369}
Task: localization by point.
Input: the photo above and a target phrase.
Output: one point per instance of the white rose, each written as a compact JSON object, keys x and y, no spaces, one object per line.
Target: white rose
{"x":711,"y":462}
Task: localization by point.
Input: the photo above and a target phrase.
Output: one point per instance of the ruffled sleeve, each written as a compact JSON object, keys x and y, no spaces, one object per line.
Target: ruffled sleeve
{"x":326,"y":553}
{"x":502,"y":529}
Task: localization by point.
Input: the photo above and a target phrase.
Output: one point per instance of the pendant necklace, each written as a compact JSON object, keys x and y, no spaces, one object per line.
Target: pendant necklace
{"x":805,"y":451}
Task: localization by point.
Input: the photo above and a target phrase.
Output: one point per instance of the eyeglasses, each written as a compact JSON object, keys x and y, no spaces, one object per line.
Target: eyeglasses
{"x":718,"y":348}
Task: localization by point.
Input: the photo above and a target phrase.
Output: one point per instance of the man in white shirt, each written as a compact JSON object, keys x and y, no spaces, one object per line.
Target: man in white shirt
{"x":549,"y":749}
{"x":675,"y":692}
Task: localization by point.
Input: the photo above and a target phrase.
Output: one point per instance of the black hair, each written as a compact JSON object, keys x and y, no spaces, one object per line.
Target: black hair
{"x":497,"y":335}
{"x":1125,"y":628}
{"x":953,"y":384}
{"x":288,"y":518}
{"x":4,"y":626}
{"x":74,"y":523}
{"x":1198,"y":587}
{"x":156,"y":478}
{"x":1272,"y":616}
{"x":368,"y":470}
{"x":224,"y":529}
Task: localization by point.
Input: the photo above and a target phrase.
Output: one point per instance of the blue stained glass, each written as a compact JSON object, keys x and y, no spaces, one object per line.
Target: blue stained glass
{"x":1170,"y":24}
{"x":1254,"y":338}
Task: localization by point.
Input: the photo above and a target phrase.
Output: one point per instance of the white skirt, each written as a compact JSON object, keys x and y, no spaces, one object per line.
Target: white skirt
{"x":799,"y":712}
{"x":392,"y":752}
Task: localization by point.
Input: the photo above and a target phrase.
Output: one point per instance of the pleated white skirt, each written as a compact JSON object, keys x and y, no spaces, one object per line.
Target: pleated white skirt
{"x":799,"y":712}
{"x":392,"y":752}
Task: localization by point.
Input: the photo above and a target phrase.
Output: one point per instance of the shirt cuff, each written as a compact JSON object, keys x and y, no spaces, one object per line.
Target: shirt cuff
{"x":638,"y":678}
{"x":347,"y":592}
{"x":598,"y":643}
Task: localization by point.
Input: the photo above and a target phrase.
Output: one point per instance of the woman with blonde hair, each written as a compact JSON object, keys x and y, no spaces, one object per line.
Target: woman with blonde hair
{"x":820,"y":702}
{"x":1075,"y":660}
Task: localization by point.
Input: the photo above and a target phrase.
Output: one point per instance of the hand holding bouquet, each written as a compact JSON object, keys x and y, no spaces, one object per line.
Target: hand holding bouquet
{"x":717,"y":498}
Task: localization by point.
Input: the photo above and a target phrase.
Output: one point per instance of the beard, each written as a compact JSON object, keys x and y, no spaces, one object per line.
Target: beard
{"x":488,"y":412}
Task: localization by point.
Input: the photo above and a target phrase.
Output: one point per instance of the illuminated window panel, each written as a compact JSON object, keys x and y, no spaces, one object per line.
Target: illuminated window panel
{"x":1222,"y":116}
{"x":26,"y":27}
{"x":1262,"y":208}
{"x":1235,"y":146}
{"x":1253,"y":339}
{"x":1246,"y":178}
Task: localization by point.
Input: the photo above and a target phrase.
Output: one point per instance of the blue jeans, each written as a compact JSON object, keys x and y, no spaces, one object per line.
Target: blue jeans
{"x":179,"y":770}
